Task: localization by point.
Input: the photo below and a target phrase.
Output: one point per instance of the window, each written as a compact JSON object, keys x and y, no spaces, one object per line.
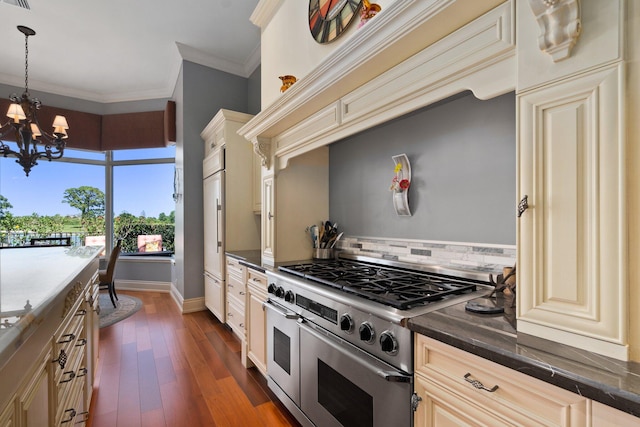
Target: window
{"x":138,"y":207}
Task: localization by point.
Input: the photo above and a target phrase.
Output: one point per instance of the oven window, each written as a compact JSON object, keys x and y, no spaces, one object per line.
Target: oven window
{"x":348,"y":403}
{"x":282,"y":350}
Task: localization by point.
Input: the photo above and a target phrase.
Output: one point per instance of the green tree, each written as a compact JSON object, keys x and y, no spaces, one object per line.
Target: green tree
{"x":4,"y":206}
{"x":88,"y":200}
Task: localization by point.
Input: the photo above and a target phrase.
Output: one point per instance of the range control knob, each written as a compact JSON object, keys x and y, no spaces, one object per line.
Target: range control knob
{"x":289,"y":296}
{"x":346,"y":323}
{"x":272,"y":288}
{"x":388,"y":343}
{"x":279,"y":292}
{"x":367,"y":334}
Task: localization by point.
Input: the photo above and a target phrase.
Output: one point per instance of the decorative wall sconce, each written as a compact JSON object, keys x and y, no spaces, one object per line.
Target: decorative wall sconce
{"x":400,"y":184}
{"x":287,"y":82}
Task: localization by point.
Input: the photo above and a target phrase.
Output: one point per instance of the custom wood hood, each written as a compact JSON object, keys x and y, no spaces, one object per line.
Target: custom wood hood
{"x":396,"y":63}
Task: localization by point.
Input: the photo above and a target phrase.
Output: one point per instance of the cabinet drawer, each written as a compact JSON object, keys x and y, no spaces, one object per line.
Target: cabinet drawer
{"x":235,"y":319}
{"x":235,"y":268}
{"x":257,"y":279}
{"x":236,"y":289}
{"x":517,"y":397}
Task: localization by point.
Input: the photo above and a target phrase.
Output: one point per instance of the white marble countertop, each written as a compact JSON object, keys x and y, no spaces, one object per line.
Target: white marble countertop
{"x":30,"y":278}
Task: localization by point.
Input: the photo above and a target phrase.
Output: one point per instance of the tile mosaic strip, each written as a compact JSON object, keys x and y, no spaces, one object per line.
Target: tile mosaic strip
{"x":470,"y":256}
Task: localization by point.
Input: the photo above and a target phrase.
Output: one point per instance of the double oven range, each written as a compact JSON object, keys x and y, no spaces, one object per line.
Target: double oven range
{"x":338,"y":349}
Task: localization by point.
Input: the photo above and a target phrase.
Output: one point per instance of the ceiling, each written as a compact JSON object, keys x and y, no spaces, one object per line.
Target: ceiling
{"x":123,"y":50}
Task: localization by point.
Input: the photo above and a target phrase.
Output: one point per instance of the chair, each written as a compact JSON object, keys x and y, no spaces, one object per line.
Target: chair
{"x":106,"y":276}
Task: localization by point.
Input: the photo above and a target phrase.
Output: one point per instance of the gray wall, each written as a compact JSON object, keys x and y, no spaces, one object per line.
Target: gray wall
{"x":204,"y":92}
{"x":254,"y":85}
{"x":463,"y":159}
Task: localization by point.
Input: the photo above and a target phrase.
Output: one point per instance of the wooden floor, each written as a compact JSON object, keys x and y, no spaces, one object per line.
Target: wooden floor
{"x":161,"y":368}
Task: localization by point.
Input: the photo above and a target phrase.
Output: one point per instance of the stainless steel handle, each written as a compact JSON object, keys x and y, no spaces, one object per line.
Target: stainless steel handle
{"x":367,"y":362}
{"x":218,"y":212}
{"x":395,"y":377}
{"x":477,"y":384}
{"x":284,"y":313}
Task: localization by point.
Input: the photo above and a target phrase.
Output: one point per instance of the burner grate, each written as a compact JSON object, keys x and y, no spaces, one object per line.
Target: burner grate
{"x":394,"y":287}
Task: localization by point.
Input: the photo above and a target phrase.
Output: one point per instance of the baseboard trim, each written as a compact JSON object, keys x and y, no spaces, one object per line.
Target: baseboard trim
{"x":186,"y":306}
{"x":142,"y":285}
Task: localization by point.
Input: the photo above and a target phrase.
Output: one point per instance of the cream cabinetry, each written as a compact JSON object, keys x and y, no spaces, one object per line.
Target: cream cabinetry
{"x":458,"y":389}
{"x":49,"y":380}
{"x":256,"y":319}
{"x":605,"y":416}
{"x":572,"y":280}
{"x":236,"y":297}
{"x":228,"y":202}
{"x":268,"y":219}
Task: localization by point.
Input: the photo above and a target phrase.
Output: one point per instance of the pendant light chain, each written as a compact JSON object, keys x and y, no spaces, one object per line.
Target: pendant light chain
{"x":26,"y":64}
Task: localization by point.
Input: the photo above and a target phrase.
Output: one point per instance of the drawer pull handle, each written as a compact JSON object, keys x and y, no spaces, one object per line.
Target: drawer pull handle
{"x":67,"y":338}
{"x":477,"y":384}
{"x":81,"y":373}
{"x":81,"y":342}
{"x":62,"y":359}
{"x":241,"y":293}
{"x":81,"y":312}
{"x":72,"y":415}
{"x":523,"y":205}
{"x":71,"y":374}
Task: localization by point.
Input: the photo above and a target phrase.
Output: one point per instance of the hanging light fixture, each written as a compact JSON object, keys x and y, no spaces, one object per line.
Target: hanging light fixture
{"x":23,"y":122}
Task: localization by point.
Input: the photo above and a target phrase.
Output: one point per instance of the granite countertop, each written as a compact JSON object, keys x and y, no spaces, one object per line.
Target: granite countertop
{"x":494,"y":337}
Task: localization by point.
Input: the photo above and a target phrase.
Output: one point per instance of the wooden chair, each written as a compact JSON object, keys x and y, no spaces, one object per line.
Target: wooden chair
{"x":106,"y":276}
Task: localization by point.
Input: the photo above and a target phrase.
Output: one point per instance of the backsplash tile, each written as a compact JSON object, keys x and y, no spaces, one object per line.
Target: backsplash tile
{"x":468,"y":256}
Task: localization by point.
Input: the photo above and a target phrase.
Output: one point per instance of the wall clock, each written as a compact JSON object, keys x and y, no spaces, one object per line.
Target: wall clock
{"x":328,"y":19}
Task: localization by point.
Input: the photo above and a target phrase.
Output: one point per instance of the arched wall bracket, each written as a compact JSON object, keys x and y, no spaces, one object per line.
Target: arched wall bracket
{"x":400,"y":185}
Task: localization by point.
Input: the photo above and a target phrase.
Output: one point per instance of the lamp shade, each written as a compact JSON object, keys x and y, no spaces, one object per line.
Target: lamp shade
{"x":61,"y":122}
{"x":35,"y":130}
{"x":16,"y":112}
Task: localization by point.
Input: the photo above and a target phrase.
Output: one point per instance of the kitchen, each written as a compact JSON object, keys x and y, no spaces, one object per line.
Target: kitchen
{"x":559,"y":88}
{"x":312,"y":182}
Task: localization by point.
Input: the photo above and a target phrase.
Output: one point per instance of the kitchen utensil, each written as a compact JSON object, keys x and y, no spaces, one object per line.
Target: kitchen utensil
{"x":335,"y":240}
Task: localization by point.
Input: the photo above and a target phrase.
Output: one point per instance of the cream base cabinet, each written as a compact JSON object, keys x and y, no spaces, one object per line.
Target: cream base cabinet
{"x":34,"y":406}
{"x":256,"y":320}
{"x":572,"y":240}
{"x":606,"y":416}
{"x":460,"y":389}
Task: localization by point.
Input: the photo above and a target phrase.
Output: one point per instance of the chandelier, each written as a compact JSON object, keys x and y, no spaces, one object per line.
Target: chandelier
{"x":23,"y":123}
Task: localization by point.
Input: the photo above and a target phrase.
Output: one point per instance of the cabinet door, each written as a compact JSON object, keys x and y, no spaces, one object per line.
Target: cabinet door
{"x":33,"y":399}
{"x":256,"y":320}
{"x":605,"y":416}
{"x":8,"y":415}
{"x":214,"y":296}
{"x":256,"y":186}
{"x":213,"y":224}
{"x":268,"y":218}
{"x":572,"y":262}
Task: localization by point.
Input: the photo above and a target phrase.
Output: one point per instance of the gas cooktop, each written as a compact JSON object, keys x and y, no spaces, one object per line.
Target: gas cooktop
{"x":393,"y":286}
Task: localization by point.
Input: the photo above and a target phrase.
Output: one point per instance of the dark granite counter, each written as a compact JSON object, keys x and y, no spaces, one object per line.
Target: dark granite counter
{"x":493,"y":337}
{"x":251,"y":259}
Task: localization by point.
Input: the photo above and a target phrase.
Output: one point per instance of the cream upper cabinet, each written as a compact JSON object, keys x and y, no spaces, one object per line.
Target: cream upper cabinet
{"x":460,"y":389}
{"x":572,"y":240}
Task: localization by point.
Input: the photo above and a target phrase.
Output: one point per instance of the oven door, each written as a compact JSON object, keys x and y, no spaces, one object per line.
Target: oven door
{"x":283,"y":361}
{"x":343,"y":386}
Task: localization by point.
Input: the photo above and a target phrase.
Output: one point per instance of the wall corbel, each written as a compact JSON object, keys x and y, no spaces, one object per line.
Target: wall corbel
{"x":262,"y":148}
{"x":560,"y":26}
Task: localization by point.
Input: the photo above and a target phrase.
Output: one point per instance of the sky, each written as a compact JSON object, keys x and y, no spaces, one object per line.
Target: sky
{"x":138,"y":189}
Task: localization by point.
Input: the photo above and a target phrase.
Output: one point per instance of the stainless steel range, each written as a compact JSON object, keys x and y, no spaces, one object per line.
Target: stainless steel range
{"x":338,"y":350}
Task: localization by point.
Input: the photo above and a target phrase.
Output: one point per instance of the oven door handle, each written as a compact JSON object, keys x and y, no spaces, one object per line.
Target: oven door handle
{"x":283,"y":312}
{"x":345,"y":348}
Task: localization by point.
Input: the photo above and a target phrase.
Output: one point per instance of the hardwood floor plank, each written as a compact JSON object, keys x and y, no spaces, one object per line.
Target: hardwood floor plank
{"x":148,"y":385}
{"x":159,"y":368}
